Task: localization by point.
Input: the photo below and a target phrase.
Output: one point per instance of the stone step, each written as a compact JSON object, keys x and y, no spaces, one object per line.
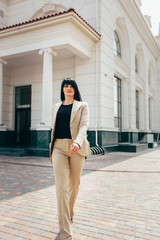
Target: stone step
{"x":14,"y":152}
{"x":21,"y":152}
{"x":132,"y":147}
{"x":40,"y":152}
{"x":111,"y":148}
{"x":153,"y":145}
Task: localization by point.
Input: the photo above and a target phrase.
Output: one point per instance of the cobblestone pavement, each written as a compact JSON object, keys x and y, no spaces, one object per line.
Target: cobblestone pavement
{"x":119,"y":198}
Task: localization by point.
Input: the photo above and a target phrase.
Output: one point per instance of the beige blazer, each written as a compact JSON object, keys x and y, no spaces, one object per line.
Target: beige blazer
{"x":78,"y":126}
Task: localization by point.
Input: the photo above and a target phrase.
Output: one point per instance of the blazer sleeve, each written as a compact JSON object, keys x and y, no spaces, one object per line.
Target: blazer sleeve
{"x":83,"y":126}
{"x":52,"y":120}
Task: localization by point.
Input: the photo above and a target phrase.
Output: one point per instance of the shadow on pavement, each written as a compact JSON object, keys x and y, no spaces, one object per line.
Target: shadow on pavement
{"x":19,"y":176}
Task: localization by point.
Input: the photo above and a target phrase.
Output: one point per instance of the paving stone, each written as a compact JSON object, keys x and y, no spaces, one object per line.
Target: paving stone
{"x":156,"y":234}
{"x":4,"y":235}
{"x":118,"y":198}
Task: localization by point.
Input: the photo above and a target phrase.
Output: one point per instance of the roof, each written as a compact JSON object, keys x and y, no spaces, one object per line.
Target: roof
{"x":47,"y":17}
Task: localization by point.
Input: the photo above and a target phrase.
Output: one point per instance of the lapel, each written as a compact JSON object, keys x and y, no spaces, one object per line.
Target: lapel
{"x":75,"y":107}
{"x":57,"y":106}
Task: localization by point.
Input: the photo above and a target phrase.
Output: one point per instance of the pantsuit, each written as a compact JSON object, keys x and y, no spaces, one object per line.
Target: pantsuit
{"x":68,"y":168}
{"x":67,"y":171}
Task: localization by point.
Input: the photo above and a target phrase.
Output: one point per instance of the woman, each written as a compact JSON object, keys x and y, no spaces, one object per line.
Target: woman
{"x":69,"y":146}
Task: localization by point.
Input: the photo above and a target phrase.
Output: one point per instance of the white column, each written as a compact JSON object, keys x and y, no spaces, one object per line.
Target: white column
{"x":2,"y":126}
{"x":46,"y":120}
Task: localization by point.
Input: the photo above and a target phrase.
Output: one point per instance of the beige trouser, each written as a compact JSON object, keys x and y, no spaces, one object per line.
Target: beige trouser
{"x":67,"y":171}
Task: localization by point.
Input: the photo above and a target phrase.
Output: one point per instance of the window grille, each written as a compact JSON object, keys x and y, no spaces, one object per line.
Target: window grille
{"x":117,"y":104}
{"x":117,"y":45}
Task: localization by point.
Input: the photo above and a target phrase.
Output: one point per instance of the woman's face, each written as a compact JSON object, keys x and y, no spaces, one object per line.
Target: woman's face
{"x":68,"y":90}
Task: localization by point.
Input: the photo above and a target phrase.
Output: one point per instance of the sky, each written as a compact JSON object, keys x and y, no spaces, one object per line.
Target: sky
{"x":152,"y":8}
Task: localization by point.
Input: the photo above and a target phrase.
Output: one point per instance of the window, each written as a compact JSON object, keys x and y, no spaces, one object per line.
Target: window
{"x":23,"y":97}
{"x":117,"y":103}
{"x":136,"y":66}
{"x":117,"y":45}
{"x":137,"y":109}
{"x":22,"y":114}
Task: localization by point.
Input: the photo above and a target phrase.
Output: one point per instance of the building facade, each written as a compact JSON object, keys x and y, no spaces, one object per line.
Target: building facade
{"x":105,"y":45}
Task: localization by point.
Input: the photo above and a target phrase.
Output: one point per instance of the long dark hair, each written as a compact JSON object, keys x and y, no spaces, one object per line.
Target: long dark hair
{"x":68,"y":81}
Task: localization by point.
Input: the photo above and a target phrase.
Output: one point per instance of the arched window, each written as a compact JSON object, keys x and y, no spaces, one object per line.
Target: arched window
{"x":117,"y":45}
{"x":140,"y":61}
{"x":136,"y":65}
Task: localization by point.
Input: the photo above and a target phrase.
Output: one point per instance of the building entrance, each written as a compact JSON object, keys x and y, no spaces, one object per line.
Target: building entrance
{"x":23,"y":115}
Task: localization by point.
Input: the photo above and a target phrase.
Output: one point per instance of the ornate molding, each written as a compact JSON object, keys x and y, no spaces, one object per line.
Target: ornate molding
{"x":121,"y":22}
{"x":47,"y":50}
{"x":3,"y":61}
{"x":139,"y":47}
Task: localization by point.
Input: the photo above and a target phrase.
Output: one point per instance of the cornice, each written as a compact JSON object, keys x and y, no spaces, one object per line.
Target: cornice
{"x":121,"y":64}
{"x":69,"y":16}
{"x":140,"y":24}
{"x":151,"y":91}
{"x":139,"y":81}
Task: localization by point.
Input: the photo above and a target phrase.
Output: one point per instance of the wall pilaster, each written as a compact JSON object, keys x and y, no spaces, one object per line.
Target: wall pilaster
{"x":2,"y":126}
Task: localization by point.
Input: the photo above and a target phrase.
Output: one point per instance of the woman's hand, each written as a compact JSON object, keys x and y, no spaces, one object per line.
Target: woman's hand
{"x":51,"y":159}
{"x":74,"y":149}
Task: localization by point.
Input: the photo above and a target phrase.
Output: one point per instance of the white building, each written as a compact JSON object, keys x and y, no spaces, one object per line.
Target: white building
{"x":105,"y":45}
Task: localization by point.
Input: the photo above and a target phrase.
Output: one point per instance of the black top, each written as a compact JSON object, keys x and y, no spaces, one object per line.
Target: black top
{"x":62,"y":128}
